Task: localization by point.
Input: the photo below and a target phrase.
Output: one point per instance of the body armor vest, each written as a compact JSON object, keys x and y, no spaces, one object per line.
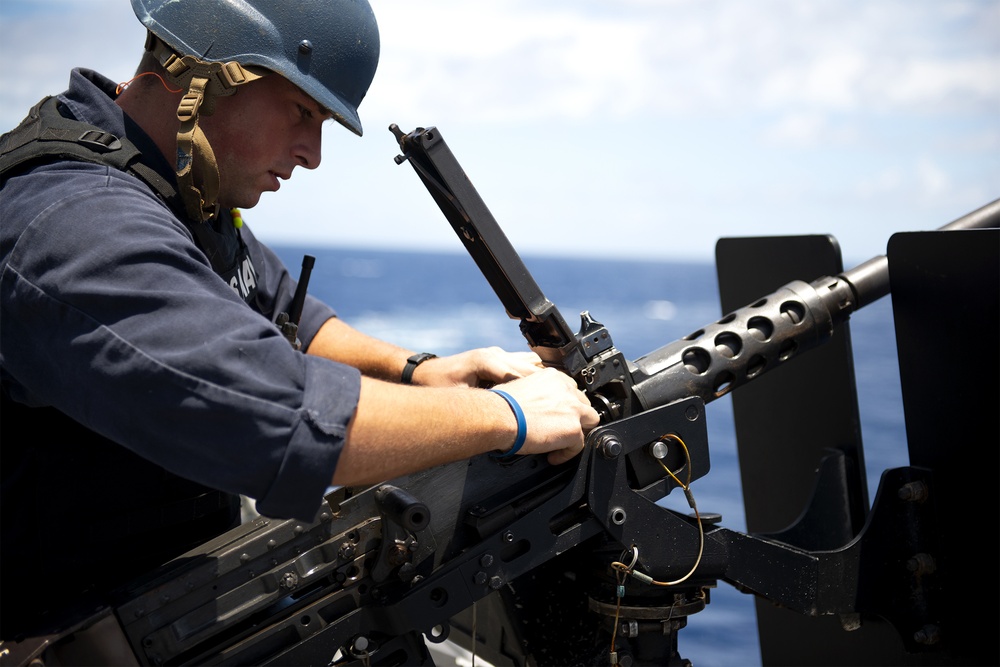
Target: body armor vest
{"x":82,"y":515}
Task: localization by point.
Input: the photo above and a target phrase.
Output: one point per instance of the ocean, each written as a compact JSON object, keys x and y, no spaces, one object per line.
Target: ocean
{"x":441,"y":303}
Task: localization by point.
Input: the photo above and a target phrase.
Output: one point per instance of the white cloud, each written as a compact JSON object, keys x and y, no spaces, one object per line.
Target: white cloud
{"x":643,"y":116}
{"x":933,"y":180}
{"x":887,"y":181}
{"x":802,"y":129}
{"x":965,"y":84}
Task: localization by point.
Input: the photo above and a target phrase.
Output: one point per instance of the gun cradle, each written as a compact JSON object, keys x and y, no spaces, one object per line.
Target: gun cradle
{"x":381,"y":567}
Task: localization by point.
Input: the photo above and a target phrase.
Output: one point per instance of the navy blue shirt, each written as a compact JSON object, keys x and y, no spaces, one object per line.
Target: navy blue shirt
{"x":111,"y":314}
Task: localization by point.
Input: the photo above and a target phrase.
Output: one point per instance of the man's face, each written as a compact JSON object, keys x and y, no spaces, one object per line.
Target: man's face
{"x":259,"y":135}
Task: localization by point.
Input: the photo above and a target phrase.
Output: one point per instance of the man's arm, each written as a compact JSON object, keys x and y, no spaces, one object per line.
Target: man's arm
{"x":376,"y":358}
{"x":398,"y":429}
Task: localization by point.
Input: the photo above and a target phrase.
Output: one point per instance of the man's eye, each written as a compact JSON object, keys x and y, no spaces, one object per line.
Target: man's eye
{"x":304,"y":112}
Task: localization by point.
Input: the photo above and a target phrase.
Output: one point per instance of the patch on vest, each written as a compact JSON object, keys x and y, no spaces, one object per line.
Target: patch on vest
{"x":243,"y":277}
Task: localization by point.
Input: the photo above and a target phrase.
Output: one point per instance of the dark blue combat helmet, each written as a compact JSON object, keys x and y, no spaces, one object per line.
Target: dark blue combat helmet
{"x":328,"y":48}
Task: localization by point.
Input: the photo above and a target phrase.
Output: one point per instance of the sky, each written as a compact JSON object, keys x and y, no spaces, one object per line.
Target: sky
{"x":643,"y":129}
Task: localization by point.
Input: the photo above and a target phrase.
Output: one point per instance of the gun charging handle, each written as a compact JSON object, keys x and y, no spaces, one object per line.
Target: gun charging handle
{"x":402,"y":508}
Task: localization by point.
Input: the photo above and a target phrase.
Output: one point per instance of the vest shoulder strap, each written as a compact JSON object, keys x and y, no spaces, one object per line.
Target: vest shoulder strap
{"x":45,"y":135}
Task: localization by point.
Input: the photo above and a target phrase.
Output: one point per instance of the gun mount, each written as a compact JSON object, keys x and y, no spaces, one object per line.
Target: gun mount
{"x":530,"y":564}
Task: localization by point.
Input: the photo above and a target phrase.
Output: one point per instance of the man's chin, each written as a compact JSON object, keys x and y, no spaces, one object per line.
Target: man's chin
{"x":242,"y":203}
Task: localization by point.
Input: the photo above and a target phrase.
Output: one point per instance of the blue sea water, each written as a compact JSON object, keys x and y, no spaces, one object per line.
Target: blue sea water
{"x":441,"y":303}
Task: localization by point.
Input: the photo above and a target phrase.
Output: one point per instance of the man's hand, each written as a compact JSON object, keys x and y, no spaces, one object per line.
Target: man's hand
{"x":400,"y":429}
{"x":557,"y":413}
{"x":481,"y":367}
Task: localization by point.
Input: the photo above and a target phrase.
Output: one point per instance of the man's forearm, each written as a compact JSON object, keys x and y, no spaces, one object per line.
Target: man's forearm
{"x":375,"y":358}
{"x":423,"y":428}
{"x":398,"y":429}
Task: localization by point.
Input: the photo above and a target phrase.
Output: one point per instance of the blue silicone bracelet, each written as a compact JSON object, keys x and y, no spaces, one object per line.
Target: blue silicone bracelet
{"x":522,"y":425}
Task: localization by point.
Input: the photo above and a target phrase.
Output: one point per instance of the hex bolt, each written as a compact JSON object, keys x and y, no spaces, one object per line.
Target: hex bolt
{"x":397,"y":554}
{"x":481,"y":578}
{"x":496,"y":583}
{"x":921,"y":563}
{"x":346,"y":551}
{"x":289,"y":580}
{"x":486,"y":560}
{"x":610,"y":447}
{"x":915,"y":492}
{"x":927,"y":635}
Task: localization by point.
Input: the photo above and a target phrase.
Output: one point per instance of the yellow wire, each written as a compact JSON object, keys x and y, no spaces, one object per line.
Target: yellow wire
{"x":628,"y":569}
{"x":618,"y":606}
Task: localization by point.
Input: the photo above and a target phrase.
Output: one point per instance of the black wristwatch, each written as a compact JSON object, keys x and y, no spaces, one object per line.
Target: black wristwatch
{"x":412,"y":363}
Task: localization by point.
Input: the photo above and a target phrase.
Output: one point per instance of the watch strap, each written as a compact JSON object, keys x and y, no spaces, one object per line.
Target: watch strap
{"x":411,"y":365}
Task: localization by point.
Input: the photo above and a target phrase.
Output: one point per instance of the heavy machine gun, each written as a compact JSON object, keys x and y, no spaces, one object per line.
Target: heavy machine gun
{"x":524,"y":563}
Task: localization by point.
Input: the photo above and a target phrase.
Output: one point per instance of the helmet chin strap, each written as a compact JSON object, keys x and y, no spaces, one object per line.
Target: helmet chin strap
{"x":197,"y":169}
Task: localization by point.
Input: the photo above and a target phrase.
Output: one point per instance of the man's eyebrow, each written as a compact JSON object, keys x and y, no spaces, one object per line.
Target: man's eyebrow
{"x":323,"y":111}
{"x":314,"y":105}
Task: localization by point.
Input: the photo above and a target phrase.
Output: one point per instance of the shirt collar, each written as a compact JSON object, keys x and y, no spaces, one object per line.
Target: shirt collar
{"x":91,"y":99}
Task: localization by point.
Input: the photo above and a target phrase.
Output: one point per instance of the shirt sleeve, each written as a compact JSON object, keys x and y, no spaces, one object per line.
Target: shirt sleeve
{"x":113,"y":315}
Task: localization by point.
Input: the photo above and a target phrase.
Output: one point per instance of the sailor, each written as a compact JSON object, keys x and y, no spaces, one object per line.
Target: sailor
{"x":145,"y":385}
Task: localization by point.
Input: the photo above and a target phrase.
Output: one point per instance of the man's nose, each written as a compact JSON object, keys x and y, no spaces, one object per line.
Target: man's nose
{"x":309,"y":150}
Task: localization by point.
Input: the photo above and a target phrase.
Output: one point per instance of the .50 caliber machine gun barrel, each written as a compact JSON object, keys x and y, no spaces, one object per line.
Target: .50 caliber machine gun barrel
{"x":772,"y":330}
